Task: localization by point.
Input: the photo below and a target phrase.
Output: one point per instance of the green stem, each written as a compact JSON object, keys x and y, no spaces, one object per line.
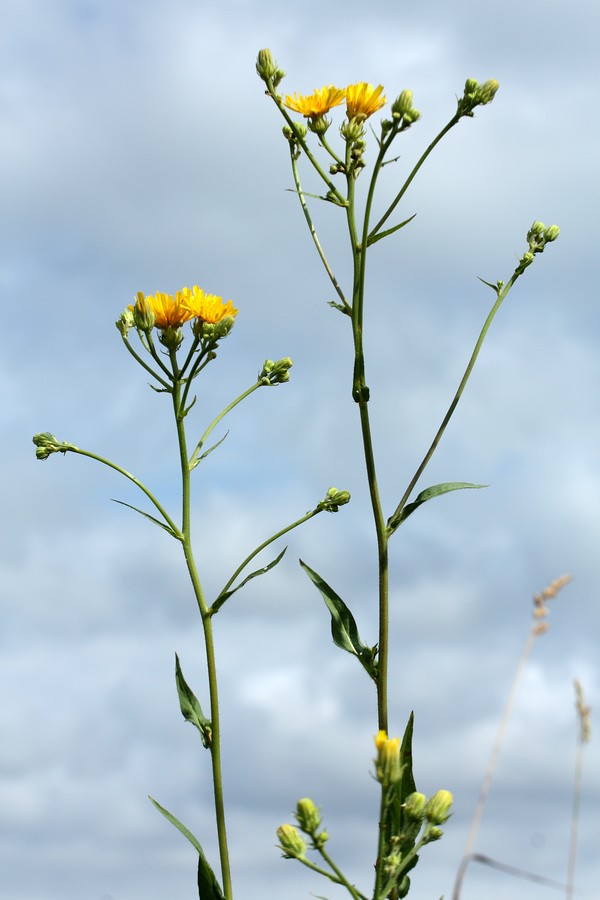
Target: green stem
{"x":262,"y":546}
{"x":145,"y":365}
{"x":111,"y":465}
{"x":194,"y":458}
{"x":394,"y":519}
{"x":340,"y":876}
{"x":455,"y":118}
{"x":313,"y":232}
{"x":215,"y":746}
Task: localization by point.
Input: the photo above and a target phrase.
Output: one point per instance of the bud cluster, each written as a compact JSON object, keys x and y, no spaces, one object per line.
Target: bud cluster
{"x":333,"y":500}
{"x":275,"y":372}
{"x":537,"y":238}
{"x":476,"y":94}
{"x":403,"y":112}
{"x":291,"y":843}
{"x":46,"y":444}
{"x":267,"y":68}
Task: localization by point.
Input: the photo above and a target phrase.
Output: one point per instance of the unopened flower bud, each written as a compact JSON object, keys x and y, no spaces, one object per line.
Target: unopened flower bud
{"x":537,"y":228}
{"x":352,"y":130}
{"x":437,"y":809}
{"x":402,"y":104}
{"x":46,"y":444}
{"x":292,"y":845}
{"x":551,"y":233}
{"x":143,"y":316}
{"x":333,"y":500}
{"x":275,"y":372}
{"x":471,"y":86}
{"x":387,"y":765}
{"x":432,"y":833}
{"x":307,"y":815}
{"x":486,"y":92}
{"x":319,"y":840}
{"x":171,"y":337}
{"x":414,"y":806}
{"x":125,"y":323}
{"x":265,"y":64}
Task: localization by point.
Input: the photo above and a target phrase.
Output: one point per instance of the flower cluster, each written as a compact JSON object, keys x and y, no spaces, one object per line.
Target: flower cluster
{"x":362,"y":100}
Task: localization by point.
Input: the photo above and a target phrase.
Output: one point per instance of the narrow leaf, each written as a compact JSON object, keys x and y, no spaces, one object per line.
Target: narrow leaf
{"x":429,"y":493}
{"x":343,"y":626}
{"x":208,"y":886}
{"x":377,"y":237}
{"x":146,"y":516}
{"x":195,"y":460}
{"x":190,"y":707}
{"x":227,"y":594}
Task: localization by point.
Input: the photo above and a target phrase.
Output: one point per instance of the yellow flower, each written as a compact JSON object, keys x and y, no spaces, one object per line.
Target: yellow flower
{"x":318,"y":103}
{"x":363,"y":99}
{"x":172,"y":311}
{"x":169,"y":311}
{"x":208,"y":307}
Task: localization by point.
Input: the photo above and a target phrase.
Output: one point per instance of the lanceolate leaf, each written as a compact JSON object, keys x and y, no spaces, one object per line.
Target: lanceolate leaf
{"x":227,"y":594}
{"x":208,"y":886}
{"x":429,"y":493}
{"x":190,"y":706}
{"x":343,"y":626}
{"x":146,"y":516}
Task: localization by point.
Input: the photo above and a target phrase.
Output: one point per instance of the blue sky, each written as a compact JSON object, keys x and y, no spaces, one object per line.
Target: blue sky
{"x":139,"y":152}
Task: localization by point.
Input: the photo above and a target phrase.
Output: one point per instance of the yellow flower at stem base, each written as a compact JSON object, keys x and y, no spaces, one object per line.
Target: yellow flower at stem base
{"x":318,"y":103}
{"x":362,"y":100}
{"x":208,"y":307}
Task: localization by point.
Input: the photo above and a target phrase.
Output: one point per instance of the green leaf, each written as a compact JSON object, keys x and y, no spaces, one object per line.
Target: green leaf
{"x":208,"y":886}
{"x":195,"y":460}
{"x":372,"y":239}
{"x":227,"y":594}
{"x":146,"y":516}
{"x":429,"y":493}
{"x":190,"y":706}
{"x":343,"y":626}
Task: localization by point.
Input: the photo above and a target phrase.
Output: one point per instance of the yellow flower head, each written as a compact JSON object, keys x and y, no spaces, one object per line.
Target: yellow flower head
{"x":363,"y":100}
{"x":208,"y":307}
{"x":318,"y":103}
{"x":169,"y":311}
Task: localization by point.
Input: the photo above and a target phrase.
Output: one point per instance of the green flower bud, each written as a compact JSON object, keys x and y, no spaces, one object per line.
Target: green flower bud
{"x":125,"y":323}
{"x":470,"y":87}
{"x":402,"y":104}
{"x":266,"y":66}
{"x":352,"y":130}
{"x":307,"y":815}
{"x":486,"y":92}
{"x":46,"y":444}
{"x":275,"y":372}
{"x":414,"y":806}
{"x":537,"y":228}
{"x":143,"y":316}
{"x":551,"y":233}
{"x":171,"y":337}
{"x":319,"y":840}
{"x":333,"y":500}
{"x":437,"y":809}
{"x":432,"y":833}
{"x":290,"y":843}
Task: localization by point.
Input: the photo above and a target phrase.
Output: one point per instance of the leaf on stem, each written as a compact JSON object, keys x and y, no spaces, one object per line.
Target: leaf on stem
{"x":147,"y":516}
{"x":208,"y":886}
{"x":227,"y":594}
{"x":429,"y":493}
{"x":343,"y":626}
{"x":373,"y":238}
{"x":195,"y":460}
{"x":190,"y":707}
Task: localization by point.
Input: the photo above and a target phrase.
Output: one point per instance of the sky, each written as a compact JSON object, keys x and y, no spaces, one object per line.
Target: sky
{"x":139,"y":153}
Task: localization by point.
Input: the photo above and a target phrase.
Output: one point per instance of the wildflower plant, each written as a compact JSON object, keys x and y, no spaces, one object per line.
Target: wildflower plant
{"x":176,"y":336}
